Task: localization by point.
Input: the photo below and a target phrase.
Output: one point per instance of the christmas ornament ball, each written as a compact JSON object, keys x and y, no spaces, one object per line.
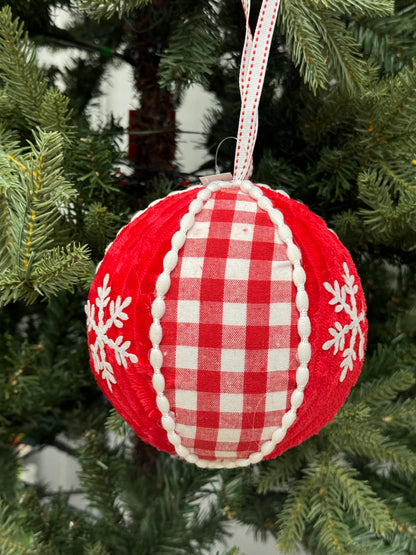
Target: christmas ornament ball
{"x":226,"y":324}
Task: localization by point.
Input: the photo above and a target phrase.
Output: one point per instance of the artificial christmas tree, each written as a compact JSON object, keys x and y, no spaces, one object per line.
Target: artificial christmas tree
{"x":336,"y":131}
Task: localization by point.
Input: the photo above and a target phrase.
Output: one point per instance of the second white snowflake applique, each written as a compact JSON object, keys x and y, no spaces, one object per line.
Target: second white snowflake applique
{"x":115,"y":318}
{"x":344,"y":300}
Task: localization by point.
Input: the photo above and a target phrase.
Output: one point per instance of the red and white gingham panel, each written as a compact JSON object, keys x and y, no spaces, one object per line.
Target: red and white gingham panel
{"x":229,"y":331}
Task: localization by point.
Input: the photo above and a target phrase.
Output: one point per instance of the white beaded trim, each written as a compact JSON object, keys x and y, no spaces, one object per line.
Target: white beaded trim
{"x":158,"y":310}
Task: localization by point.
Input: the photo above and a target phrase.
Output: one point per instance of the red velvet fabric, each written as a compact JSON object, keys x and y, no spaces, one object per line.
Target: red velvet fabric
{"x":135,"y":260}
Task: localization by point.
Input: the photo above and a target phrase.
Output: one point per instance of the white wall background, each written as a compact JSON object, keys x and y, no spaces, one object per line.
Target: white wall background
{"x":119,"y":97}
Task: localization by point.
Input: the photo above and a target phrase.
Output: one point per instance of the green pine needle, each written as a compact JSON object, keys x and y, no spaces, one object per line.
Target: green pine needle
{"x":370,"y":8}
{"x":55,"y":113}
{"x":300,"y":26}
{"x":284,"y":468}
{"x":321,"y":46}
{"x":13,"y":539}
{"x":96,"y":549}
{"x":388,"y":40}
{"x":35,"y":198}
{"x":386,"y":217}
{"x":358,"y":498}
{"x":193,"y":50}
{"x":116,"y":425}
{"x":291,"y":521}
{"x":379,"y":391}
{"x":18,"y":67}
{"x":110,"y":8}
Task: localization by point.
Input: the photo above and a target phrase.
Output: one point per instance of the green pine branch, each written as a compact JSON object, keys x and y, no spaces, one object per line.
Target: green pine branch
{"x":332,"y":536}
{"x":328,"y":499}
{"x":387,"y":115}
{"x":284,"y":468}
{"x":35,"y":195}
{"x":110,"y":8}
{"x":7,"y":108}
{"x":291,"y":521}
{"x":100,"y":227}
{"x":370,"y":8}
{"x":193,"y":50}
{"x":10,"y":466}
{"x":324,"y":499}
{"x":20,"y":387}
{"x":368,"y":441}
{"x":92,"y":166}
{"x":55,"y":114}
{"x":19,"y":69}
{"x":372,"y":137}
{"x":13,"y":539}
{"x":300,"y":26}
{"x":358,"y":498}
{"x":337,"y":165}
{"x":99,"y":478}
{"x":59,"y":268}
{"x":7,"y":178}
{"x":336,"y":498}
{"x":389,"y":219}
{"x":116,"y":425}
{"x":388,"y":40}
{"x":96,"y":549}
{"x":321,"y":45}
{"x":26,"y":92}
{"x":233,"y":551}
{"x":343,"y":55}
{"x":171,"y":523}
{"x":400,"y":414}
{"x":362,"y":426}
{"x":379,"y":391}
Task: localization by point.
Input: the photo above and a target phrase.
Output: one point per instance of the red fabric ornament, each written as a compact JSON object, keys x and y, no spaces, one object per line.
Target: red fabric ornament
{"x":226,"y":324}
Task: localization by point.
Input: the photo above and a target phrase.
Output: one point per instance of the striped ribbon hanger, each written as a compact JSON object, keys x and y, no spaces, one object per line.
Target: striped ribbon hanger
{"x":252,"y":73}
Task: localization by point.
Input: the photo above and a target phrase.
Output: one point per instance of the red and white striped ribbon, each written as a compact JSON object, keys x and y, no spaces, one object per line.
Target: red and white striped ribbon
{"x":252,"y":71}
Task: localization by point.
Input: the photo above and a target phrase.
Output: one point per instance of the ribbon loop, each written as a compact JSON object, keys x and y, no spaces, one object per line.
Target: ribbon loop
{"x":252,"y":72}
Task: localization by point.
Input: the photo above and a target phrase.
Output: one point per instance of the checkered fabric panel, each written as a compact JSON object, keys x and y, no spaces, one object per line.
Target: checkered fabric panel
{"x":229,"y":330}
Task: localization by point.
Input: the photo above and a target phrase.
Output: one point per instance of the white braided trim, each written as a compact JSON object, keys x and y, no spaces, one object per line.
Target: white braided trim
{"x":158,"y":310}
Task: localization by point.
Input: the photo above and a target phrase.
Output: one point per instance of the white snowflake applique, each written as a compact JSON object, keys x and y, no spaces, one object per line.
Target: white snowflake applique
{"x":340,"y":333}
{"x":116,"y":318}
